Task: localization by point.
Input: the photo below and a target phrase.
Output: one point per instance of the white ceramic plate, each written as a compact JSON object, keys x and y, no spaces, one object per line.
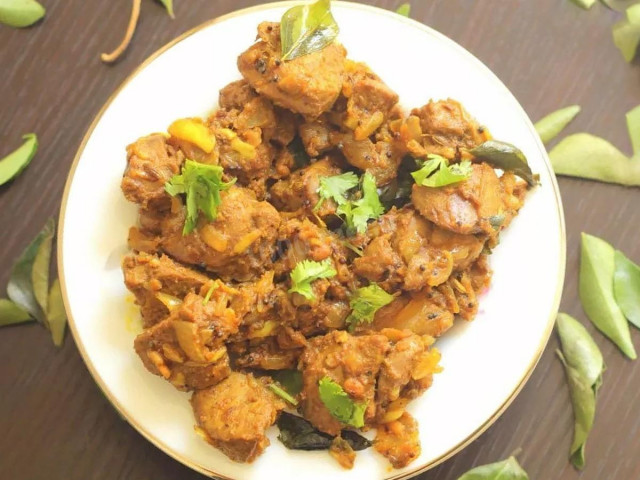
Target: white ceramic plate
{"x":485,"y":362}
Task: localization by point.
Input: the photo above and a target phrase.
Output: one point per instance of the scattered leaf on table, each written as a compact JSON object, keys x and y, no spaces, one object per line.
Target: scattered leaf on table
{"x":626,"y":33}
{"x":586,"y":4}
{"x":56,"y":315}
{"x":20,"y":288}
{"x":633,"y":125}
{"x":296,"y":433}
{"x":597,"y":267}
{"x":619,"y":5}
{"x":508,"y":469}
{"x":580,"y":350}
{"x":168,"y":4}
{"x":587,"y":156}
{"x":583,"y":400}
{"x":626,"y":287}
{"x":506,"y":157}
{"x":20,"y":13}
{"x":11,"y":314}
{"x":14,"y":163}
{"x":40,"y":270}
{"x":306,"y":29}
{"x":550,"y":126}
{"x":404,"y":9}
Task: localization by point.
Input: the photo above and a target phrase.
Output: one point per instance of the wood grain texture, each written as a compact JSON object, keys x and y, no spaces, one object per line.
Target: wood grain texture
{"x":54,"y":421}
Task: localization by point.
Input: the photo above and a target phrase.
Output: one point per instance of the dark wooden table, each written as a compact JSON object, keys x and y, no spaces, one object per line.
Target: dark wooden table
{"x":56,"y":424}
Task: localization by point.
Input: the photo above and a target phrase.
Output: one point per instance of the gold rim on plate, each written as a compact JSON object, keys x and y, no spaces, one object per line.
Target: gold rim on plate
{"x":72,"y":325}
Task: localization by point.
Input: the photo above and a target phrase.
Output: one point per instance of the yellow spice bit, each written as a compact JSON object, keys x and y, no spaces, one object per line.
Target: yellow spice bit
{"x":369,"y":126}
{"x":267,"y":330}
{"x":246,"y":241}
{"x":193,"y":131}
{"x":212,"y":237}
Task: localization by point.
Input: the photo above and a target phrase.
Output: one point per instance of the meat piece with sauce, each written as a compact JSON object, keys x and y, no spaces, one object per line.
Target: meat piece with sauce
{"x":235,"y":414}
{"x":237,"y":245}
{"x":307,"y":85}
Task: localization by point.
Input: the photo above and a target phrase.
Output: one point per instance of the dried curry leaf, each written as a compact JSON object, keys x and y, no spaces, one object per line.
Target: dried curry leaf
{"x":633,"y":125}
{"x":404,"y":10}
{"x":12,"y":314}
{"x":550,"y":126}
{"x":597,"y":267}
{"x":14,"y":163}
{"x":306,"y":29}
{"x":40,"y":270}
{"x":508,"y":469}
{"x":626,"y":287}
{"x":168,"y":4}
{"x":296,"y":433}
{"x":20,"y":13}
{"x":506,"y":157}
{"x":20,"y":287}
{"x":587,"y":156}
{"x":56,"y":315}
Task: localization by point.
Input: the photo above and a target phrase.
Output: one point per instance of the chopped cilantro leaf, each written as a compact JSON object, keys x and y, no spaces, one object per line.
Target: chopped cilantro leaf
{"x":365,"y":302}
{"x":307,"y":271}
{"x":339,"y":404}
{"x":436,"y":172}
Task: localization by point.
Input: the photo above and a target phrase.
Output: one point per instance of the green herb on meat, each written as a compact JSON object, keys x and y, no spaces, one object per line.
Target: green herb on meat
{"x":506,"y":157}
{"x":14,"y":163}
{"x":296,"y":433}
{"x":306,"y":272}
{"x":207,"y":296}
{"x":202,"y":185}
{"x":365,"y":302}
{"x":282,"y":394}
{"x":584,"y":367}
{"x":586,"y":156}
{"x":550,"y":126}
{"x":20,"y":13}
{"x":626,"y":287}
{"x":404,"y":10}
{"x":291,"y":380}
{"x":508,"y":469}
{"x":436,"y":172}
{"x":357,"y":214}
{"x":306,"y":29}
{"x":335,"y":188}
{"x":339,"y":404}
{"x":597,"y":268}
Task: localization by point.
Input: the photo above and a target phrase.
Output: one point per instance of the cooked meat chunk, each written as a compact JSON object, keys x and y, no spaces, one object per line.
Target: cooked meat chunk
{"x":151,"y":163}
{"x":446,"y":127}
{"x":294,"y":84}
{"x":300,"y":190}
{"x":154,"y":279}
{"x":315,"y":136}
{"x":188,"y":347}
{"x":406,"y":371}
{"x":407,"y":251}
{"x":269,"y":356}
{"x":399,"y":441}
{"x":468,"y":207}
{"x":237,"y":245}
{"x":369,"y":100}
{"x":235,"y":414}
{"x":352,"y":362}
{"x":236,"y":95}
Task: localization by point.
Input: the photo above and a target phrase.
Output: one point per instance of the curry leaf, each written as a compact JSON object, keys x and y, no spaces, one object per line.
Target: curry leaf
{"x":550,"y":126}
{"x":168,"y":4}
{"x":306,"y":29}
{"x":584,"y":410}
{"x":296,"y":433}
{"x":626,"y":287}
{"x":506,"y":157}
{"x":20,"y":13}
{"x":586,"y":156}
{"x":291,"y":380}
{"x":20,"y":287}
{"x":40,"y":270}
{"x":56,"y":315}
{"x":339,"y":404}
{"x":14,"y":163}
{"x":597,"y":267}
{"x":508,"y":469}
{"x":626,"y":33}
{"x":586,"y":4}
{"x":633,"y":125}
{"x":619,"y":5}
{"x":11,"y":314}
{"x":404,"y":10}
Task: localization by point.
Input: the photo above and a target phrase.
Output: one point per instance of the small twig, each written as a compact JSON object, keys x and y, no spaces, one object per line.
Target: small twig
{"x":133,"y":21}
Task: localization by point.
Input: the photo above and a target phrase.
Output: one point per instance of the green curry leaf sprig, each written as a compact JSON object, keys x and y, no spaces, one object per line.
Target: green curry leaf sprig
{"x":305,"y":29}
